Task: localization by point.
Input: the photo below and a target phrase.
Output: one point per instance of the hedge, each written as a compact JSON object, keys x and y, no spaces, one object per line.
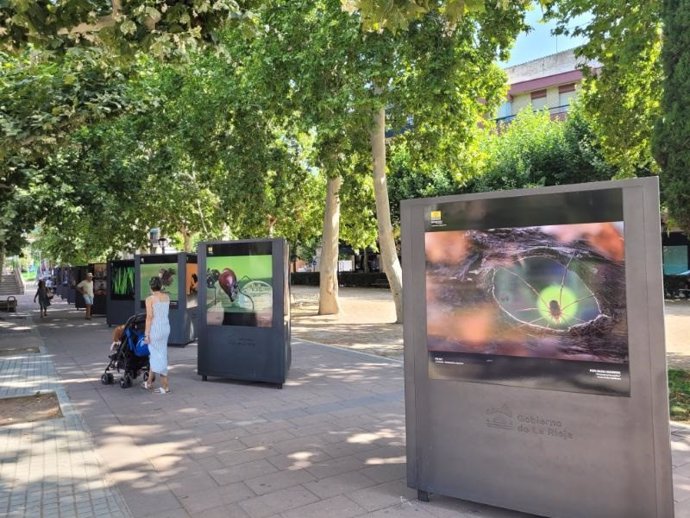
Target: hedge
{"x":346,"y":279}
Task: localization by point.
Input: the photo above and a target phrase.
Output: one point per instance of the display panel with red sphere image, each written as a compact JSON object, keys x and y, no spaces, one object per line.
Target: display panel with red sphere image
{"x":239,"y":289}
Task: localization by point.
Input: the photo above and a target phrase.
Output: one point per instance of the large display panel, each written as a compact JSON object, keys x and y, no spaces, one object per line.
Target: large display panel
{"x":122,"y":280}
{"x":540,"y":306}
{"x":100,"y":279}
{"x":534,"y":350}
{"x":244,"y":324}
{"x":192,"y":283}
{"x":164,"y":267}
{"x":239,"y":284}
{"x":121,"y":300}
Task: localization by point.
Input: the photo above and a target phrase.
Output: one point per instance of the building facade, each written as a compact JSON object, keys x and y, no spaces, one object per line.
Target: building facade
{"x":549,"y":83}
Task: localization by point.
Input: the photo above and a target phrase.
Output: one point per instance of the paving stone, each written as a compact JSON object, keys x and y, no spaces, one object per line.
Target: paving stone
{"x":246,"y":471}
{"x":278,"y":502}
{"x":339,"y":484}
{"x":279,"y":480}
{"x":336,"y":507}
{"x":201,"y":501}
{"x":331,"y":467}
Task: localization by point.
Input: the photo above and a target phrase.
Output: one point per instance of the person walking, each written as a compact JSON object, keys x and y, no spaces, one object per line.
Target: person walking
{"x":156,"y":336}
{"x":43,"y":298}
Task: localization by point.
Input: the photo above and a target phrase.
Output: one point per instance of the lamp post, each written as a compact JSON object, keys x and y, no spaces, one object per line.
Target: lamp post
{"x":162,"y":242}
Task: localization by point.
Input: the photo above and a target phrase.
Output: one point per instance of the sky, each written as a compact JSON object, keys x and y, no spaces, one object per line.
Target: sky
{"x":539,"y":42}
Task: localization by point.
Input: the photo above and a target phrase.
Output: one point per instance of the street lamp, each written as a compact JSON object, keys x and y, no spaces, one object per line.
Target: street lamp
{"x":162,"y":241}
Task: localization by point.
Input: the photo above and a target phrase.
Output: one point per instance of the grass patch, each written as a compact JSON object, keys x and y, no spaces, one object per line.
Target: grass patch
{"x":679,"y":394}
{"x":28,"y":276}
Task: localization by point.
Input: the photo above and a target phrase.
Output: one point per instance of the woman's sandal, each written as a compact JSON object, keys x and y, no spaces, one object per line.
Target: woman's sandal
{"x":161,"y":390}
{"x":145,"y":385}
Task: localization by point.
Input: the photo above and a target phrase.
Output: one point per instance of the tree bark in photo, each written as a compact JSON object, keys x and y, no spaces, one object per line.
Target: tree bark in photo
{"x":389,"y":254}
{"x":328,"y":264}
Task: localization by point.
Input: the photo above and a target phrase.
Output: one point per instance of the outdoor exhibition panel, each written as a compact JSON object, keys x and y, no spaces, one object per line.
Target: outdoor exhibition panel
{"x":59,"y":274}
{"x":121,"y":304}
{"x":78,"y":275}
{"x":244,"y":319}
{"x":100,"y":288}
{"x":178,"y":274}
{"x":71,"y":283}
{"x":535,"y":368}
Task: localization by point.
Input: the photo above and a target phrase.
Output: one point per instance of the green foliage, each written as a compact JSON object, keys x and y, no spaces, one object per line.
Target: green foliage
{"x":672,"y":131}
{"x":161,"y":27}
{"x":321,"y":74}
{"x":535,"y":151}
{"x":405,"y":182}
{"x":397,"y":15}
{"x":44,"y":101}
{"x":679,"y":394}
{"x":622,"y":97}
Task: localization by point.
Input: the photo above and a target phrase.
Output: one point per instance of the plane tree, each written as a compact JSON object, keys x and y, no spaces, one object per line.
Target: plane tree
{"x":348,"y":86}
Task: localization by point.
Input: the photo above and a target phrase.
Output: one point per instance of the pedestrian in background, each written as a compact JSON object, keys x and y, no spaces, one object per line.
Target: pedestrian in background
{"x":43,"y":299}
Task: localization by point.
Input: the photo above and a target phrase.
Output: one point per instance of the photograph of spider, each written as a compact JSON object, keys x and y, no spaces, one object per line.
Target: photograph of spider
{"x":554,"y":292}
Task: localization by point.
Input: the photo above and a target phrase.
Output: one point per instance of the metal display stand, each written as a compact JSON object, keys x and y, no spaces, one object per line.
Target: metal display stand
{"x":177,"y":272}
{"x":121,"y":302}
{"x":100,"y":288}
{"x":244,"y":316}
{"x":535,"y":369}
{"x":69,"y":290}
{"x":78,"y":275}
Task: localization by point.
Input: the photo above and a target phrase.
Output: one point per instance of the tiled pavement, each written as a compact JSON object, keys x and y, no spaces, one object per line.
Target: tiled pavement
{"x":47,"y":468}
{"x":330,"y":444}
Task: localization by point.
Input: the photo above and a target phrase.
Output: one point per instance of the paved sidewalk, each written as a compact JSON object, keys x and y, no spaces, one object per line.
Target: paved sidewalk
{"x":47,"y":468}
{"x":330,"y":444}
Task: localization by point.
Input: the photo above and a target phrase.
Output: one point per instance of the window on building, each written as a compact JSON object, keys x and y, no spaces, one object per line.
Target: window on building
{"x":538,"y":98}
{"x":565,"y":93}
{"x":505,"y":110}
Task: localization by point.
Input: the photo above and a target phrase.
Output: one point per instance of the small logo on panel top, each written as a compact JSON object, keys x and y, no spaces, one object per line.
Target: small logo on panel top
{"x":435,"y":218}
{"x":500,"y":417}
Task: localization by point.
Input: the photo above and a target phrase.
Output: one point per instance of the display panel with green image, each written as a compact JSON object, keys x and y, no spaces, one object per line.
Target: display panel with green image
{"x":239,"y":288}
{"x":122,"y":282}
{"x":168,"y":274}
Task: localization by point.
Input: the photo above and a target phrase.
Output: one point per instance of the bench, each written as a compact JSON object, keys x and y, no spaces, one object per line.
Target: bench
{"x":10,"y":304}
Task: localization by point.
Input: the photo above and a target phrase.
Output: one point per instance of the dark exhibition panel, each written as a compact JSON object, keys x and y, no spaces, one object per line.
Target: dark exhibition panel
{"x":100,"y":288}
{"x":71,"y":283}
{"x":121,"y":302}
{"x":78,"y":275}
{"x":535,"y":365}
{"x":178,"y":273}
{"x":244,"y":317}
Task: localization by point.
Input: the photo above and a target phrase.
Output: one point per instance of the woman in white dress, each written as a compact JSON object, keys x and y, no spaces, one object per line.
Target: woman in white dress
{"x":157,"y":332}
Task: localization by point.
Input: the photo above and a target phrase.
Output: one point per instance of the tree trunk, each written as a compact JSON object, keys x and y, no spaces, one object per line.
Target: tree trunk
{"x":328,"y":265}
{"x":186,"y":239}
{"x":389,"y":255}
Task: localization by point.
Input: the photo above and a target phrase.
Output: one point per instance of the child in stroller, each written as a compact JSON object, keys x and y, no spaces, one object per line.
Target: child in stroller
{"x":130,"y":355}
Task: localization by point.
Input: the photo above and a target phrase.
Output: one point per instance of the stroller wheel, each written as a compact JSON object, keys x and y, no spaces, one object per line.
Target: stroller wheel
{"x":111,"y":378}
{"x":123,"y":383}
{"x":104,"y":379}
{"x":146,"y":376}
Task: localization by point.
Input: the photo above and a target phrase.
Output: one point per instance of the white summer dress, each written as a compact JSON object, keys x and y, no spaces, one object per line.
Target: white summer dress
{"x":158,"y":338}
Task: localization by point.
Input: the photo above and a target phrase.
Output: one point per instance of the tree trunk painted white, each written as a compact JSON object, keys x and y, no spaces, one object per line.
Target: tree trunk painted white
{"x":389,"y":255}
{"x":328,"y":264}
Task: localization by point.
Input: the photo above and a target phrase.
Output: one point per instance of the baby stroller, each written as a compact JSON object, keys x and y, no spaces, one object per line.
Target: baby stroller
{"x":131,"y":356}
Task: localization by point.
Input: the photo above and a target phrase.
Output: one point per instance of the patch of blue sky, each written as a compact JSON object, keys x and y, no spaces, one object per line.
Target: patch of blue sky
{"x":540,"y":41}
